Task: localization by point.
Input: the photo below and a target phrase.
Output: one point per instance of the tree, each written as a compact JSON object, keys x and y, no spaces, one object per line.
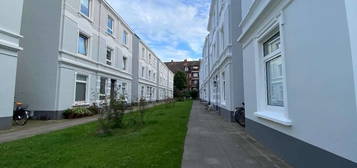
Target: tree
{"x":180,"y":83}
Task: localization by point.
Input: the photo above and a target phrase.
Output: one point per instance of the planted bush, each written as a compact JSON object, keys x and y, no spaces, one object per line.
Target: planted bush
{"x":77,"y":112}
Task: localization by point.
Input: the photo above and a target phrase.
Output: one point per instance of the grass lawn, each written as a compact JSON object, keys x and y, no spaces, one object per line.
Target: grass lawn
{"x":157,"y":144}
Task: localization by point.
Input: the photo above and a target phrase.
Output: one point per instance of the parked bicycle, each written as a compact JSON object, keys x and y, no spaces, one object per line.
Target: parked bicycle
{"x":239,"y":115}
{"x":21,"y":114}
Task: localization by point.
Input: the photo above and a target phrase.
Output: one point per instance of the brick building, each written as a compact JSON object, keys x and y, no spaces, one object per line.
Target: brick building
{"x":191,"y":69}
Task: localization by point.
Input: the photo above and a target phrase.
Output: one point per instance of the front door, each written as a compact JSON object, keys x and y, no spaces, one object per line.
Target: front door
{"x":112,"y":89}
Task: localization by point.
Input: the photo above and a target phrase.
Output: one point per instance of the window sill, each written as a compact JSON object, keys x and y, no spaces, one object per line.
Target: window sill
{"x":125,"y":45}
{"x":110,"y":34}
{"x":78,"y":104}
{"x":86,"y":17}
{"x":276,"y":117}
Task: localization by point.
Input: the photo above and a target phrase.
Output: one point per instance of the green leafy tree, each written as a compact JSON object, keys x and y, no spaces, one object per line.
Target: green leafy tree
{"x":180,"y":83}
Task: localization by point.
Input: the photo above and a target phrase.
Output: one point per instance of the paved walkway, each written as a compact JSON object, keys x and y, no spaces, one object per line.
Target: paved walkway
{"x":36,"y":127}
{"x":212,"y":142}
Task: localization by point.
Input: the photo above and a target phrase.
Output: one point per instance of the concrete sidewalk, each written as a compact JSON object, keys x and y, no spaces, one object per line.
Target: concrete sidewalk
{"x":36,"y":127}
{"x":212,"y":142}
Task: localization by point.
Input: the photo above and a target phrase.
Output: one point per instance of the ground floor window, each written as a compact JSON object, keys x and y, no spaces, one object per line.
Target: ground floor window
{"x":223,"y":86}
{"x":81,"y":88}
{"x":274,"y":74}
{"x":102,"y":93}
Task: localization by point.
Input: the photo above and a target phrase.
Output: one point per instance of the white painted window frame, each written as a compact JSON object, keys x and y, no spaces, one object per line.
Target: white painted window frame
{"x":89,"y":18}
{"x":223,"y":88}
{"x":125,"y":37}
{"x":110,"y":30}
{"x":111,"y":57}
{"x":89,"y":38}
{"x":276,"y":114}
{"x":105,"y":88}
{"x":125,"y":63}
{"x":85,"y":102}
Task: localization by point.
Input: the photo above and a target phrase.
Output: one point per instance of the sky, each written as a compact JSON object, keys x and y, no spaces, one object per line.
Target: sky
{"x":174,"y":29}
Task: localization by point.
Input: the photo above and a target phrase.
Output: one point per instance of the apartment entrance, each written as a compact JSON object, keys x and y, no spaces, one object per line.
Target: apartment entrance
{"x":113,"y":83}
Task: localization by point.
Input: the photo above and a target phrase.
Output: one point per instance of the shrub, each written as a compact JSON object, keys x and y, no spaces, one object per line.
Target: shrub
{"x":116,"y":112}
{"x":142,"y":105}
{"x":77,"y":112}
{"x":66,"y":114}
{"x":194,"y":94}
{"x":94,"y":109}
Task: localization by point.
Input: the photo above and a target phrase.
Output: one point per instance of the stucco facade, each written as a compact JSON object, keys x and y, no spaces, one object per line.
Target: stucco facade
{"x":221,"y":66}
{"x":82,"y":54}
{"x":10,"y":16}
{"x":300,"y":79}
{"x":152,"y":80}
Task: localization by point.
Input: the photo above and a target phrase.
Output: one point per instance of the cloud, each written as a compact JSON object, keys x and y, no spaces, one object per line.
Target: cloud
{"x":167,"y":24}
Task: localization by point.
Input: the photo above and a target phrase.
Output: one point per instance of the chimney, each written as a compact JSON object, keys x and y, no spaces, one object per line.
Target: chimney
{"x":185,"y":60}
{"x":172,"y":61}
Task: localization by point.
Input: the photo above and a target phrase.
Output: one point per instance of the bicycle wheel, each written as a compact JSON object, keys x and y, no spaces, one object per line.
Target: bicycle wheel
{"x":241,"y":117}
{"x":22,"y":118}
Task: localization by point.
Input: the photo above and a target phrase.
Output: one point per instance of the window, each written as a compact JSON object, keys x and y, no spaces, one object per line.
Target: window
{"x":142,"y":71}
{"x":273,"y":63}
{"x":109,"y":56}
{"x":83,"y":44}
{"x":154,"y":76}
{"x":142,"y":91}
{"x":110,"y":25}
{"x":81,"y":88}
{"x":124,"y":63}
{"x":125,"y":37}
{"x":149,"y":74}
{"x":195,"y":67}
{"x":103,"y":82}
{"x":222,"y":40}
{"x":195,"y":75}
{"x":124,"y":89}
{"x":143,"y":53}
{"x":85,"y":7}
{"x":224,"y":86}
{"x":150,"y":58}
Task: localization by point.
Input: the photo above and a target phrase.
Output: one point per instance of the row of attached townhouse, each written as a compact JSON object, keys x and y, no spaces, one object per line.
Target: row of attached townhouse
{"x":151,"y":77}
{"x":221,"y":72}
{"x":75,"y":53}
{"x":298,"y":60}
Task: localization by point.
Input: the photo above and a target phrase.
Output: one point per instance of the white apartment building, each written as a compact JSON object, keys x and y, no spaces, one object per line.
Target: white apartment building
{"x":151,"y":78}
{"x":76,"y":52}
{"x":145,"y":72}
{"x":163,"y":81}
{"x":300,"y":79}
{"x":221,"y":66}
{"x":170,"y":86}
{"x":10,"y":25}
